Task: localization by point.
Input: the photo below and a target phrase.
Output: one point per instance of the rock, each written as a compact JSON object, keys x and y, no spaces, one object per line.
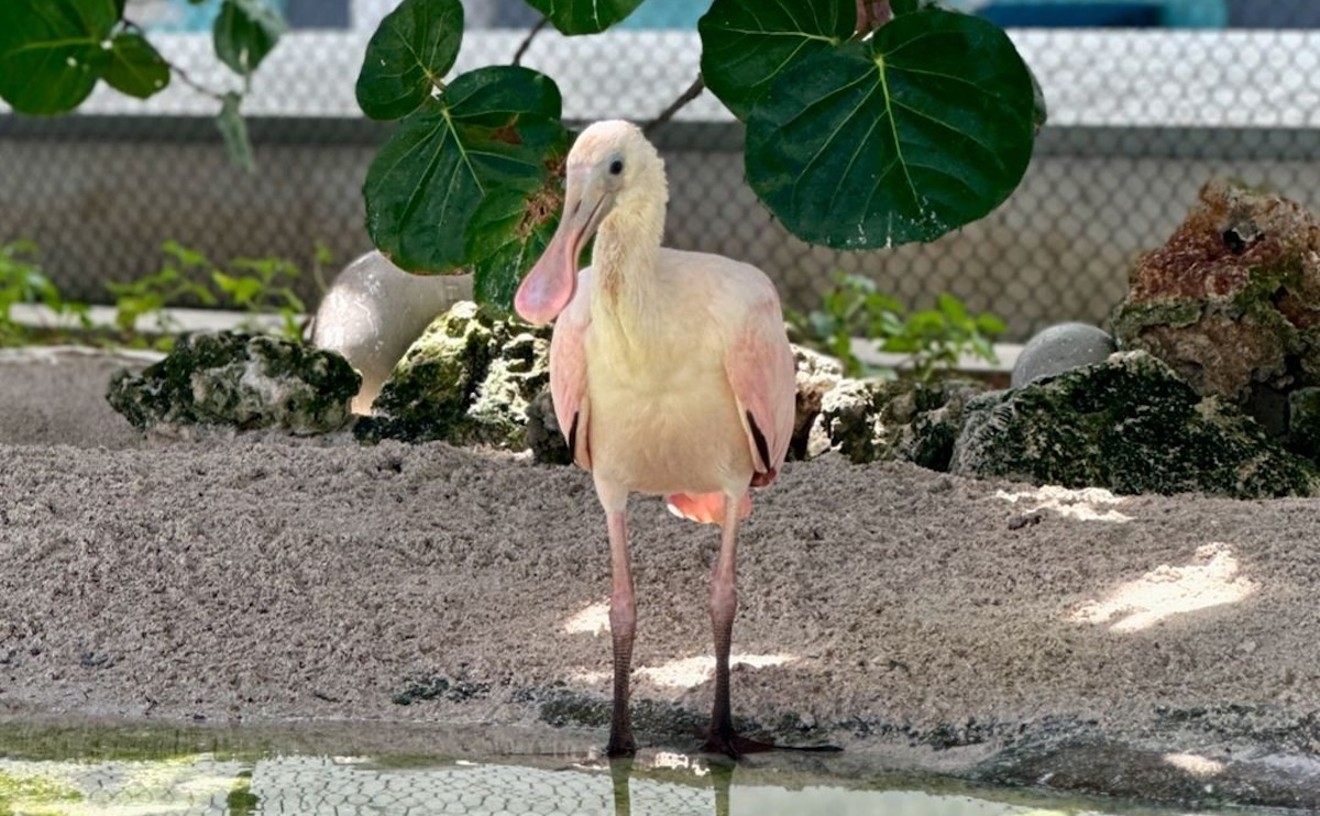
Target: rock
{"x":817,"y":375}
{"x":240,"y":380}
{"x":374,"y":311}
{"x":849,"y":421}
{"x":1232,"y":301}
{"x":544,"y":436}
{"x":876,"y":420}
{"x":468,"y":379}
{"x":1131,"y":425}
{"x":1060,"y":348}
{"x":1304,"y":422}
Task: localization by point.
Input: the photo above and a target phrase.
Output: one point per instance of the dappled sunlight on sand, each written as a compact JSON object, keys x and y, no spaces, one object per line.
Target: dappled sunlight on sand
{"x":1087,"y":504}
{"x":593,"y":620}
{"x":1211,"y":579}
{"x":690,"y":672}
{"x":686,"y":672}
{"x":1194,"y":764}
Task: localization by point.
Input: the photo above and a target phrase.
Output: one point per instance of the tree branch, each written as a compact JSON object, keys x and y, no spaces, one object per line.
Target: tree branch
{"x":694,"y":90}
{"x":527,"y":41}
{"x":191,"y":83}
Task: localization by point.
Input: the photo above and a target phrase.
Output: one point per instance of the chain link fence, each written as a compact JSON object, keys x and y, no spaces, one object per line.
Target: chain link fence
{"x":1140,"y":118}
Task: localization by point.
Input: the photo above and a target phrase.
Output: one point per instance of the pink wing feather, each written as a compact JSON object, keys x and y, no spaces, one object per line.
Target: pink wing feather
{"x":568,"y":371}
{"x":763,"y":376}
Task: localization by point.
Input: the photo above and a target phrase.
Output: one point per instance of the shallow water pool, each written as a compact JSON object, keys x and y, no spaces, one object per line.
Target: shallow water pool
{"x":141,"y":772}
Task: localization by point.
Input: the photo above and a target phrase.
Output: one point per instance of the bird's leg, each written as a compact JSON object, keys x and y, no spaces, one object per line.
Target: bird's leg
{"x":623,"y":626}
{"x":720,"y":737}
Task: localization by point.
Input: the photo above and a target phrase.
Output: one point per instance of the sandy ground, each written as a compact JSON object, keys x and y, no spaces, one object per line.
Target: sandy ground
{"x":1156,"y":647}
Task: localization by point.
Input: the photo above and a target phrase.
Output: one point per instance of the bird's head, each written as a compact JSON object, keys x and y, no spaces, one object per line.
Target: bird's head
{"x":614,"y":176}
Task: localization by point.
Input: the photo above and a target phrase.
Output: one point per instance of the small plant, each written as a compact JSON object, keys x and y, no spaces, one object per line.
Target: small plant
{"x":22,"y":281}
{"x":151,"y":294}
{"x":264,"y":286}
{"x":933,"y":339}
{"x":259,"y":286}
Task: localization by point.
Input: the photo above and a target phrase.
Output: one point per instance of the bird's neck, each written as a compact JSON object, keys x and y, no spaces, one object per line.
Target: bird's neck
{"x":623,"y":265}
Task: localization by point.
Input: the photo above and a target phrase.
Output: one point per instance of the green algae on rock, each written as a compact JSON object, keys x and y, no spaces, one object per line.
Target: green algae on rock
{"x":1131,"y":425}
{"x":467,"y":380}
{"x":245,"y":381}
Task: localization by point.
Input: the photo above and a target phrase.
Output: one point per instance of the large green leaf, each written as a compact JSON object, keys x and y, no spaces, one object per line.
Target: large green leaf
{"x":136,"y":69}
{"x":53,"y":51}
{"x":492,"y":132}
{"x":747,"y":44}
{"x":408,"y":57}
{"x":584,"y":16}
{"x":245,"y":31}
{"x":923,"y":127}
{"x":514,"y":231}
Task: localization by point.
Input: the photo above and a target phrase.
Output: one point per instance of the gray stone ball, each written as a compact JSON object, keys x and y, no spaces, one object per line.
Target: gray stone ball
{"x":374,"y":311}
{"x":1061,"y":348}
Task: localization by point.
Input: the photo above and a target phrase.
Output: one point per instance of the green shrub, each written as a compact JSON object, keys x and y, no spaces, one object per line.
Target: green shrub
{"x":22,"y":281}
{"x":258,"y":286}
{"x":934,"y":339}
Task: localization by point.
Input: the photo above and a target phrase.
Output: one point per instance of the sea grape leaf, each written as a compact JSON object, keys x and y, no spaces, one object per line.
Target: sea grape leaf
{"x":136,"y":68}
{"x":245,"y":31}
{"x":747,"y":44}
{"x":1039,"y":115}
{"x":584,"y":16}
{"x":923,"y":127}
{"x":516,"y":229}
{"x":52,"y":52}
{"x":408,"y":57}
{"x":492,"y":133}
{"x":234,"y":130}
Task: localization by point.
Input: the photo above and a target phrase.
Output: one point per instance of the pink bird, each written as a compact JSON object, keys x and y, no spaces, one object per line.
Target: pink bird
{"x":671,"y":375}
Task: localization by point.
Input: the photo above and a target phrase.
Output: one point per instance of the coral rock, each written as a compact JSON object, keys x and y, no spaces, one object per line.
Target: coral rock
{"x":874,"y":420}
{"x":239,"y":380}
{"x":1232,"y":301}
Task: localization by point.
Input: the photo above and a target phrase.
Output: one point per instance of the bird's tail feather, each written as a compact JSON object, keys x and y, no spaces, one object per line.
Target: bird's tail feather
{"x":706,"y":508}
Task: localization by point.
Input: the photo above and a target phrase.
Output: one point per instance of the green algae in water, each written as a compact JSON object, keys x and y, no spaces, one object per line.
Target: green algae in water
{"x":34,"y":793}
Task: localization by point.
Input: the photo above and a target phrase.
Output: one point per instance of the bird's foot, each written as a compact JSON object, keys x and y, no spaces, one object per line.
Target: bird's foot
{"x":734,"y":745}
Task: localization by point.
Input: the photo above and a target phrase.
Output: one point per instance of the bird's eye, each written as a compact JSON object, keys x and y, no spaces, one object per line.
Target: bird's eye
{"x":616,"y":167}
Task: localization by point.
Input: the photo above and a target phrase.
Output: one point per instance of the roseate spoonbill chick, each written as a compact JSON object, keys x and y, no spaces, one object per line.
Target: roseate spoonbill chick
{"x":671,"y":374}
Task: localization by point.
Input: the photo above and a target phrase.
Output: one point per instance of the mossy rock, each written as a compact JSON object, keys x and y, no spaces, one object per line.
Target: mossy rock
{"x":1130,"y":425}
{"x":244,"y":381}
{"x":876,"y":420}
{"x":467,"y":380}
